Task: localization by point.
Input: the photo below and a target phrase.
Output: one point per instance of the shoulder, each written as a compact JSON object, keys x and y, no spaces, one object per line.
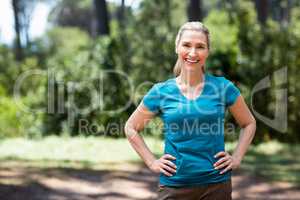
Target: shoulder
{"x":164,"y":86}
{"x":219,"y":80}
{"x":157,"y":92}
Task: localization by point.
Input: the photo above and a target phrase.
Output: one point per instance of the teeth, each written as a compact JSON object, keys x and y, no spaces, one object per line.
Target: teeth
{"x":192,"y":61}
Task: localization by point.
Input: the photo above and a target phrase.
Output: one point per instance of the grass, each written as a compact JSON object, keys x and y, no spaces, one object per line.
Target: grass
{"x":84,"y":152}
{"x":273,"y":160}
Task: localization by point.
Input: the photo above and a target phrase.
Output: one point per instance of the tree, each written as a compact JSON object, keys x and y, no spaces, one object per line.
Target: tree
{"x":91,"y":16}
{"x":262,"y":9}
{"x":101,"y":17}
{"x":281,"y":10}
{"x":195,"y":10}
{"x":18,"y":46}
{"x":22,"y":10}
{"x":63,"y":14}
{"x":121,"y":13}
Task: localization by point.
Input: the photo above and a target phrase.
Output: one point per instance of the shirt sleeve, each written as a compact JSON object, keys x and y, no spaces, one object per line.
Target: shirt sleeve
{"x":231,"y":93}
{"x":152,"y":99}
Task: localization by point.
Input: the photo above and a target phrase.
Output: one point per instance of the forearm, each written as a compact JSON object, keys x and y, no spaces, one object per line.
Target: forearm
{"x":245,"y":139}
{"x":139,"y":145}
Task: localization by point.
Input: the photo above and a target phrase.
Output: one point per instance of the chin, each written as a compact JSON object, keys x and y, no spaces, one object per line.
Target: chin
{"x":192,"y":67}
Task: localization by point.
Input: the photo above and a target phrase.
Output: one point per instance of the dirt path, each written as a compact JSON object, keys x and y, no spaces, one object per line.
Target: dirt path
{"x":128,"y":183}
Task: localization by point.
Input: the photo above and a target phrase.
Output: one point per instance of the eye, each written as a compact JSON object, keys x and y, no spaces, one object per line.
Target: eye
{"x":200,"y":47}
{"x":186,"y":45}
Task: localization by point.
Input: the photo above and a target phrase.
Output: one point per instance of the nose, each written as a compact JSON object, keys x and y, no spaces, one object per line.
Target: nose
{"x":192,"y":52}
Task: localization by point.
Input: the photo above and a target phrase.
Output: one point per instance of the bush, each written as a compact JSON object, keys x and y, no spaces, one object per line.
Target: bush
{"x":15,"y":122}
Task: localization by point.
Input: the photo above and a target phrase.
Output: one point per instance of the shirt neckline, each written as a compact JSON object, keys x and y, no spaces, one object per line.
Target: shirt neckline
{"x":198,"y":96}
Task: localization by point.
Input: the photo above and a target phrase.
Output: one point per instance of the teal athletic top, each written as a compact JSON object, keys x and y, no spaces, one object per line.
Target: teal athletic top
{"x":193,"y":129}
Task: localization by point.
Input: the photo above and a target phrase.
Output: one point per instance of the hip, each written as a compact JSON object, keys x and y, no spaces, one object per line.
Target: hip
{"x":215,"y":191}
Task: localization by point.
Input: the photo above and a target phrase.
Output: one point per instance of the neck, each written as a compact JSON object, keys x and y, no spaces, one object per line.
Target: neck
{"x":191,"y":79}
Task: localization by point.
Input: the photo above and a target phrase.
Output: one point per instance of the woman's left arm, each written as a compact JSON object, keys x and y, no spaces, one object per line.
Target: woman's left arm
{"x":246,"y":121}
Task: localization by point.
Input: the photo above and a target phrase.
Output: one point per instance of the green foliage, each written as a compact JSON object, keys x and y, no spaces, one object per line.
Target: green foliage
{"x":68,"y":56}
{"x":8,"y":68}
{"x":17,"y":121}
{"x":263,"y":50}
{"x":19,"y":94}
{"x":154,"y":44}
{"x":224,"y":43}
{"x":223,"y":32}
{"x":9,"y":121}
{"x":293,"y":62}
{"x":85,"y":70}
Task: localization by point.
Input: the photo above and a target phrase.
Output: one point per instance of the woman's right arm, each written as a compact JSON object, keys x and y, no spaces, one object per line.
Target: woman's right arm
{"x":136,"y":122}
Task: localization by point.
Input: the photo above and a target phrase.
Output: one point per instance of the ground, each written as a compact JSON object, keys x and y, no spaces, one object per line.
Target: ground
{"x":128,"y":181}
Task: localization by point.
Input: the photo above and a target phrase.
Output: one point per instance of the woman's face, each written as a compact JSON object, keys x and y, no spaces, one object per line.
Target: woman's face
{"x":192,"y":49}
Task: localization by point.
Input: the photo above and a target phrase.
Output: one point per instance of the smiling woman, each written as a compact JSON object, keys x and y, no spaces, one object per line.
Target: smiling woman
{"x":195,"y":164}
{"x":192,"y":47}
{"x":198,"y":41}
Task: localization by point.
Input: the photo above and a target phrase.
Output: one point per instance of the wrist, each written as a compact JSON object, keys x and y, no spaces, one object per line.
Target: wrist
{"x":149,"y":163}
{"x":237,"y":158}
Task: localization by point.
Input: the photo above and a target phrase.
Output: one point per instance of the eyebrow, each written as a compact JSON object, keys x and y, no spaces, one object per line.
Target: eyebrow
{"x":200,"y":43}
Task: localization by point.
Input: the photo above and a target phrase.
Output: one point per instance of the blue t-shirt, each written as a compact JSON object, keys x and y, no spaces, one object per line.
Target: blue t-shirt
{"x":193,"y":129}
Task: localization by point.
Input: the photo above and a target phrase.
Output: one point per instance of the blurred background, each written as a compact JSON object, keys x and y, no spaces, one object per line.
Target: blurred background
{"x":72,"y":72}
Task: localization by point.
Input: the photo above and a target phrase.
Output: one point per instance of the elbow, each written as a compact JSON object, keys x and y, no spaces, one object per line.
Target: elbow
{"x":250,"y":123}
{"x":129,"y":130}
{"x":126,"y":129}
{"x":253,"y":122}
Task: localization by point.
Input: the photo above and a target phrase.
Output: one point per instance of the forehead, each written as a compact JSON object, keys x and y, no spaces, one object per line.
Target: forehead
{"x":193,"y":36}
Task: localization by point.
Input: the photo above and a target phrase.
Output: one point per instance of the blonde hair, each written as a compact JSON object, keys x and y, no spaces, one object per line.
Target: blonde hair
{"x":194,"y":26}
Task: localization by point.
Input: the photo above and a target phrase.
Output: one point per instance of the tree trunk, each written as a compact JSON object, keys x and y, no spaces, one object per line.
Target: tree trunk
{"x":18,"y":46}
{"x":285,"y":12}
{"x":195,"y":10}
{"x":121,"y":14}
{"x":101,"y":14}
{"x":262,"y":8}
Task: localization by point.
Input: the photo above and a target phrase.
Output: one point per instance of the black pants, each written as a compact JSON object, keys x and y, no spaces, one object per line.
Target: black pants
{"x":215,"y":191}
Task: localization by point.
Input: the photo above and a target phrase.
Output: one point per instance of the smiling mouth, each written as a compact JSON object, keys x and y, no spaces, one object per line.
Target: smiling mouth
{"x":190,"y":61}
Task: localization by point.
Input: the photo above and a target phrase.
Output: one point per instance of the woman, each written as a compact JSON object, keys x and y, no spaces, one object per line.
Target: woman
{"x":192,"y":106}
